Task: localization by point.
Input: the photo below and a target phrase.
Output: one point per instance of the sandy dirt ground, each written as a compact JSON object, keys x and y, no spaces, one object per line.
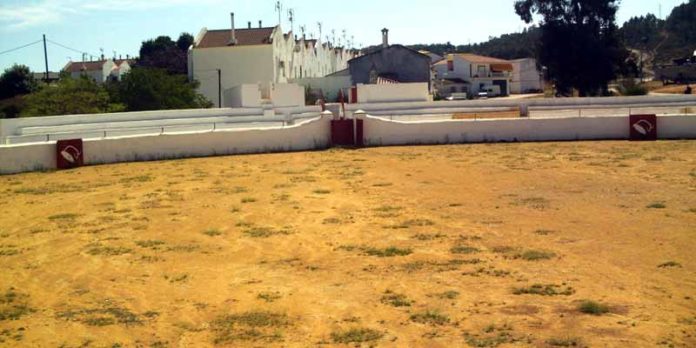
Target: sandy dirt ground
{"x":495,"y":245}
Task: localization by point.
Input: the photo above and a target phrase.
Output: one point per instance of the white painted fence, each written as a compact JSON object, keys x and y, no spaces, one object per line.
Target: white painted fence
{"x":315,"y":134}
{"x":37,"y":129}
{"x":305,"y":135}
{"x":384,"y":132}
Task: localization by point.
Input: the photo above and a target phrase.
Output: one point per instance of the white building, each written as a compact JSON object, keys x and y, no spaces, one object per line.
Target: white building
{"x":471,"y":74}
{"x":227,"y":58}
{"x":99,"y":70}
{"x":434,"y":57}
{"x":525,"y":76}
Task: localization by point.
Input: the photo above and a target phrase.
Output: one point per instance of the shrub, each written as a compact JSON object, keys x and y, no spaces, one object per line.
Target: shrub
{"x":629,"y":87}
{"x":592,"y":307}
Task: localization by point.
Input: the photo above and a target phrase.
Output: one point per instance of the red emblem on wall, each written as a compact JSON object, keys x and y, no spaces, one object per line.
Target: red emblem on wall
{"x":643,"y":127}
{"x":69,"y":154}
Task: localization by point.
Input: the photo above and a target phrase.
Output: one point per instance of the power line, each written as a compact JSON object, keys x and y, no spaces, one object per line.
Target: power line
{"x":69,"y":48}
{"x":20,"y":47}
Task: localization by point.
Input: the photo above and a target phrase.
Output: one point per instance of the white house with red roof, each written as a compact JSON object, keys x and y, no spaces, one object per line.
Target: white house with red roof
{"x":228,"y":58}
{"x":99,"y":70}
{"x":471,"y":74}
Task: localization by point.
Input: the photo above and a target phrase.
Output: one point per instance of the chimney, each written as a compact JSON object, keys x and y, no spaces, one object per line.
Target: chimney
{"x":259,"y":24}
{"x":385,"y":37}
{"x":233,"y":36}
{"x":249,"y":24}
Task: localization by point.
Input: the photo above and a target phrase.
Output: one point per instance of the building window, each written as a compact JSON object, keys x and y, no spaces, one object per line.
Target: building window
{"x":450,"y":65}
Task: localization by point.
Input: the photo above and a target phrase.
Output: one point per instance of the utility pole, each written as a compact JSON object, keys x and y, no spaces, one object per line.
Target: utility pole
{"x":219,"y":88}
{"x":45,"y":58}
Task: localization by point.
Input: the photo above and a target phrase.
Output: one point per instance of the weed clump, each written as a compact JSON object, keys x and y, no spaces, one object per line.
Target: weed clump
{"x":593,"y":308}
{"x":213,"y":232}
{"x":463,"y":249}
{"x":544,"y":290}
{"x":356,"y":335}
{"x":669,"y":264}
{"x":396,"y":300}
{"x":249,"y":326}
{"x":13,"y":305}
{"x":431,"y":317}
{"x":388,"y":252}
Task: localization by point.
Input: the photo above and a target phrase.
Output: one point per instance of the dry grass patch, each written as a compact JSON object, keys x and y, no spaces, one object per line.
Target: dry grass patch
{"x":356,"y":335}
{"x":14,"y":305}
{"x":430,"y":317}
{"x":250,"y":326}
{"x":395,"y":300}
{"x":544,"y":290}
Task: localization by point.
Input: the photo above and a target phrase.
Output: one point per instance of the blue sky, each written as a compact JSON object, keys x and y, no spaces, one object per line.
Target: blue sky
{"x":121,"y":25}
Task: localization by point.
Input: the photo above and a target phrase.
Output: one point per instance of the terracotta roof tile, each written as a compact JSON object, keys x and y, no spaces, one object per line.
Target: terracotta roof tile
{"x":475,"y":58}
{"x":245,"y":37}
{"x":84,"y":66}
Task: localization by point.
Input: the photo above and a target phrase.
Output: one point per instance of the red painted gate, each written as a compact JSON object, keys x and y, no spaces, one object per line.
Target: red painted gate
{"x":347,"y":132}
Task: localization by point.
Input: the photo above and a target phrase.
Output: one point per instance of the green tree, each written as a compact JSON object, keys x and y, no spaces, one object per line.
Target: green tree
{"x":155,"y":89}
{"x":16,"y":80}
{"x":579,"y":42}
{"x":184,"y":42}
{"x":69,"y":97}
{"x":164,"y":53}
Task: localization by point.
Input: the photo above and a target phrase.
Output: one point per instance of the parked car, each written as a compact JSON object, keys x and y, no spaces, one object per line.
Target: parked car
{"x":458,"y":96}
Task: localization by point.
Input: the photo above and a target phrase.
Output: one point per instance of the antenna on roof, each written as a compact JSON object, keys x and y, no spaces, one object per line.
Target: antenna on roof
{"x":279,"y":9}
{"x":320,"y":25}
{"x":291,"y":18}
{"x":302,"y":30}
{"x":333,"y":35}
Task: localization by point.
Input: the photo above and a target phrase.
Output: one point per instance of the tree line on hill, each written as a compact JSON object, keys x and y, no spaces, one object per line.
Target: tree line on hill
{"x":157,"y":81}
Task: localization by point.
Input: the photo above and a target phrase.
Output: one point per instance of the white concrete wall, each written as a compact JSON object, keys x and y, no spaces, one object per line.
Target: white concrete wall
{"x":9,"y":127}
{"x":329,"y":85}
{"x":238,"y":64}
{"x":383,"y":132}
{"x":398,"y":92}
{"x":314,"y":134}
{"x":243,"y":96}
{"x":307,"y":135}
{"x":525,"y":76}
{"x":287,"y":94}
{"x":540,"y":103}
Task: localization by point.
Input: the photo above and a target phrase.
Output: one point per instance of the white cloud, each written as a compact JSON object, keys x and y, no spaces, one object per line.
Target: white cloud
{"x":28,"y":14}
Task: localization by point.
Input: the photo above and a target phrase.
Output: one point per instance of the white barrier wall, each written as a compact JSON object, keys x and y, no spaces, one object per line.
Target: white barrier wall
{"x":307,"y":135}
{"x":242,"y":96}
{"x":315,"y":134}
{"x":379,"y":131}
{"x":329,"y":85}
{"x":287,"y":94}
{"x":540,"y":103}
{"x":10,"y":126}
{"x":398,"y":92}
